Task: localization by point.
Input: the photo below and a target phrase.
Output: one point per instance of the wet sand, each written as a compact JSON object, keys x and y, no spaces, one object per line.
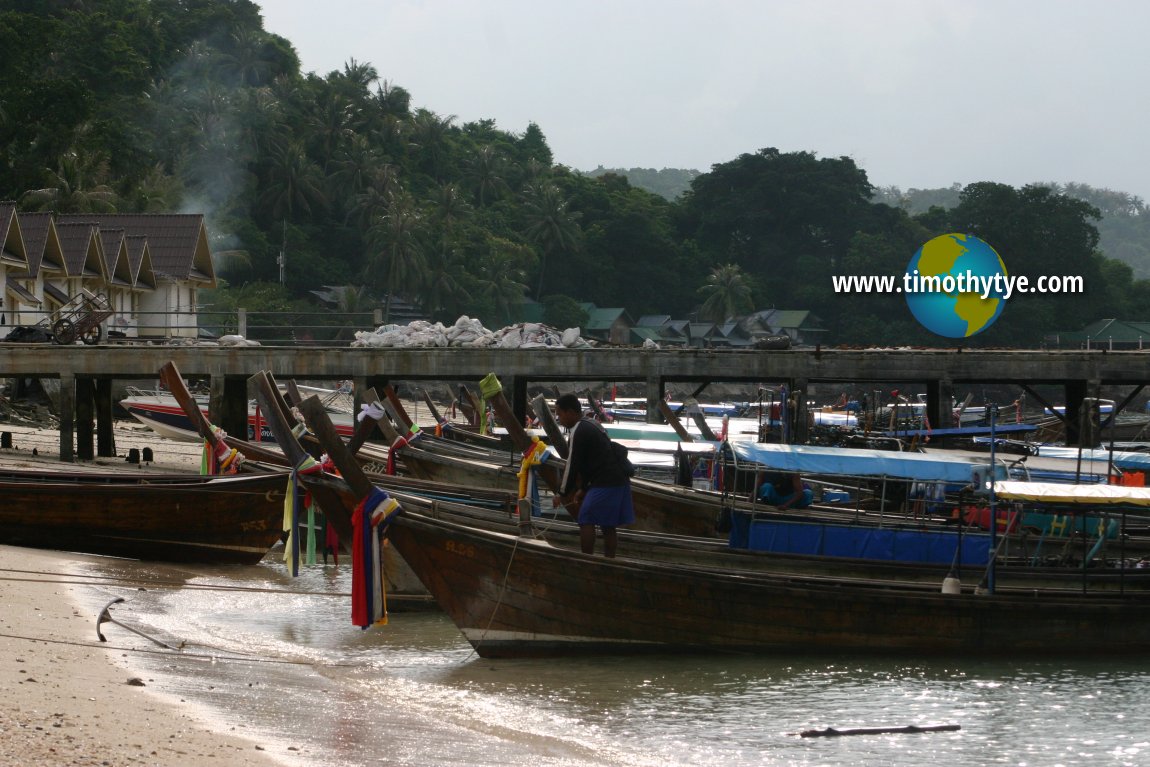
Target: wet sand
{"x":69,"y":699}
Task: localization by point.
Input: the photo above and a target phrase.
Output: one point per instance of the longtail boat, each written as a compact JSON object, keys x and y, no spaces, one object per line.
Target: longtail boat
{"x":174,"y":518}
{"x":514,"y":595}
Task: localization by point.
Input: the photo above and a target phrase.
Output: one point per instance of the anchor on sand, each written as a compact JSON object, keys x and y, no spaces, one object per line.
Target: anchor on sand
{"x":106,"y":615}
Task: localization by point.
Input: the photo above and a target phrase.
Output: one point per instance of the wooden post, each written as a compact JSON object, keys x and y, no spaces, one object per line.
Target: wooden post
{"x":67,"y":416}
{"x":85,"y":447}
{"x":655,"y":392}
{"x":105,"y":433}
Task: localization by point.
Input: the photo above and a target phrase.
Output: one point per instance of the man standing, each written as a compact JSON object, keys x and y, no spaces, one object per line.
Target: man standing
{"x":595,"y":478}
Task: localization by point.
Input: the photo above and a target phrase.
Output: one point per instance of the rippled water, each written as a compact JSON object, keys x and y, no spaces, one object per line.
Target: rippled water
{"x":290,"y":669}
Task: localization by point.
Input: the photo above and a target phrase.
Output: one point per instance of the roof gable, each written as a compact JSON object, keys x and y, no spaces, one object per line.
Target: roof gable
{"x":177,"y":242}
{"x":140,"y":261}
{"x":12,"y":251}
{"x":41,"y":242}
{"x":80,"y":244}
{"x":116,"y":257}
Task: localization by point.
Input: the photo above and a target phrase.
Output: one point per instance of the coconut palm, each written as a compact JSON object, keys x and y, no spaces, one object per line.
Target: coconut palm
{"x":485,"y":169}
{"x":397,"y":250}
{"x":550,"y":225}
{"x":727,"y":294}
{"x":296,"y":183}
{"x":76,"y":186}
{"x":430,"y":132}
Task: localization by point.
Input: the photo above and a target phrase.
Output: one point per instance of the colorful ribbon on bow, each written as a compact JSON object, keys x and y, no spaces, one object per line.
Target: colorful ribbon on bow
{"x":535,"y":456}
{"x":368,"y":586}
{"x":400,"y":442}
{"x":488,"y":388}
{"x":293,"y":505}
{"x":217,"y":457}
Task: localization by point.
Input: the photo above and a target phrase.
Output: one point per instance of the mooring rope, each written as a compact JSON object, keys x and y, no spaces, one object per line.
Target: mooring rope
{"x":499,"y":601}
{"x":102,"y":580}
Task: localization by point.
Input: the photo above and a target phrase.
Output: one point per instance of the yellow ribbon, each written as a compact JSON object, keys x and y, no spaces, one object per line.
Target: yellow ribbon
{"x":532,"y":458}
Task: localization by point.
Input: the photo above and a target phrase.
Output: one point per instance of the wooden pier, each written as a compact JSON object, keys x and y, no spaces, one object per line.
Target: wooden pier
{"x":86,"y":373}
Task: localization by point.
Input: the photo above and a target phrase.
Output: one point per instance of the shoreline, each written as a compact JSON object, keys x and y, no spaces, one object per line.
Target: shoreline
{"x":69,"y":701}
{"x":68,"y":697}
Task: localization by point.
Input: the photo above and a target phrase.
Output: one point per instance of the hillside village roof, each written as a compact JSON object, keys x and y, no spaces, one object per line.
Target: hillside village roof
{"x":115,"y":257}
{"x":12,"y":251}
{"x":80,"y":244}
{"x":140,"y":260}
{"x":602,"y":319}
{"x":1109,"y":331}
{"x":177,"y":242}
{"x":41,"y":243}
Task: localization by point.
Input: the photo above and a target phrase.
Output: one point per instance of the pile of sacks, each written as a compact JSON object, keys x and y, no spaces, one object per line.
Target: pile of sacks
{"x":467,"y":332}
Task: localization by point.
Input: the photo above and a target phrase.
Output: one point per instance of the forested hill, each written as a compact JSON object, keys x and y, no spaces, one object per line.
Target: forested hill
{"x":668,"y":183}
{"x":1124,"y":228}
{"x":191,"y":105}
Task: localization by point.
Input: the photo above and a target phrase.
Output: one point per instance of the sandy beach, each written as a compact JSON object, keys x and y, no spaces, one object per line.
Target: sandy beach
{"x":68,"y":698}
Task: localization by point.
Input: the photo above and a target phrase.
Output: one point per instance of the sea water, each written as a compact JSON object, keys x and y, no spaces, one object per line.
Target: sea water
{"x":276,"y":659}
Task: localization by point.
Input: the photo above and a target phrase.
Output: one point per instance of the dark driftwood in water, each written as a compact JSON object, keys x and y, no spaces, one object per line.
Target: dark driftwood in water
{"x":831,"y":732}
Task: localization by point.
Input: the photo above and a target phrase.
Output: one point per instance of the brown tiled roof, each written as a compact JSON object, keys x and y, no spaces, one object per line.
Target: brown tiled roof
{"x":40,"y":241}
{"x":12,"y":249}
{"x":77,"y":239}
{"x":115,"y":256}
{"x":140,"y":261}
{"x":177,"y":242}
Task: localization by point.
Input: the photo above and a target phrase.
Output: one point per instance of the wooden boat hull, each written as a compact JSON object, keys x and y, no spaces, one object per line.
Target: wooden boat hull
{"x":206,"y":520}
{"x":515,"y":597}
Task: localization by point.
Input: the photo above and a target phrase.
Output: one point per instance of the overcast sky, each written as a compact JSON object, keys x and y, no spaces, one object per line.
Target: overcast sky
{"x":920,"y":93}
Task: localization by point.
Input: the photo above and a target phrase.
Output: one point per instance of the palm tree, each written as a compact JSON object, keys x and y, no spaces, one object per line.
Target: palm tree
{"x":398,"y":252}
{"x":550,"y":225}
{"x":727,"y":292}
{"x":430,"y":133}
{"x":372,"y":202}
{"x":69,"y":190}
{"x":330,"y":122}
{"x":486,"y":171}
{"x":442,"y":284}
{"x":296,"y":183}
{"x":498,"y":279}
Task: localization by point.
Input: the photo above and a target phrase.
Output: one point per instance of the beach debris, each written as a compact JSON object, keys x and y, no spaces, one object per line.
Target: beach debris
{"x":470,"y":333}
{"x":831,"y":732}
{"x":106,"y":615}
{"x":136,"y":682}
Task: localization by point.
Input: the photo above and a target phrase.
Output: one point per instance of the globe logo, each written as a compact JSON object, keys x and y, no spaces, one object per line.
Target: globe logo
{"x":955,"y":285}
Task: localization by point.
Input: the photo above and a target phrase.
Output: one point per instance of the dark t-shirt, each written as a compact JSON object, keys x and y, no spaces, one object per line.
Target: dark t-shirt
{"x":590,"y":461}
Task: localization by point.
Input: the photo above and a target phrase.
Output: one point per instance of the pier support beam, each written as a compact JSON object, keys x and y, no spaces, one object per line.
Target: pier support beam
{"x":105,"y":432}
{"x":1081,"y":422}
{"x":228,"y":404}
{"x":939,"y":403}
{"x":800,"y":431}
{"x":67,"y":416}
{"x":655,"y":391}
{"x":515,"y":390}
{"x":85,"y":445}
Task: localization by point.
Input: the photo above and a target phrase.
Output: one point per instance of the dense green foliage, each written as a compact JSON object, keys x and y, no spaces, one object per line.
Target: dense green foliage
{"x":190,"y":105}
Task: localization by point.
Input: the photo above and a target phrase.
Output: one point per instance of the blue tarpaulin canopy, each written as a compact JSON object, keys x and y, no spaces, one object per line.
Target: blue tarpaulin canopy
{"x":855,"y":462}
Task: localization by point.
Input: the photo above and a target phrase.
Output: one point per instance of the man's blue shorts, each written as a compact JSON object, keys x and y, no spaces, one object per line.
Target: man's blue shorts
{"x":607,"y":507}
